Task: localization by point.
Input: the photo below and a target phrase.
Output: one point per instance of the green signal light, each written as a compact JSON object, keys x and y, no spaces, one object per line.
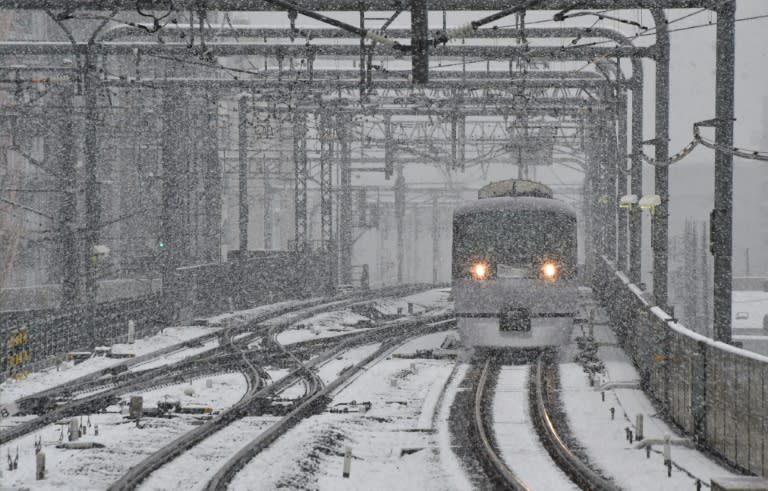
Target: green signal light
{"x":161,"y":244}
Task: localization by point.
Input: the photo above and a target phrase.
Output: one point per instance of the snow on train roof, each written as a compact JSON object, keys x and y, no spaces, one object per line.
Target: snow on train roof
{"x":514,"y":188}
{"x":514,"y":203}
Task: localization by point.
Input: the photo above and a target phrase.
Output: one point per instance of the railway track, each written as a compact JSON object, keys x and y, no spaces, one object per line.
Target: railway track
{"x":232,"y":354}
{"x":315,"y":401}
{"x":540,"y":401}
{"x":120,"y":372}
{"x":315,"y":398}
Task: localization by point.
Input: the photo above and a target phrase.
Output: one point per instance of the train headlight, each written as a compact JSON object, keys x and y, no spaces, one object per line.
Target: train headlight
{"x":549,"y":270}
{"x":479,"y":270}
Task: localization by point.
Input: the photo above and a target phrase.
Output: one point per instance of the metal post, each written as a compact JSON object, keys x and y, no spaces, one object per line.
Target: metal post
{"x":212,"y":190}
{"x":414,"y":259}
{"x":660,"y":232}
{"x":419,"y":41}
{"x":171,"y":219}
{"x":242,"y":176}
{"x":361,"y":6}
{"x":300,"y":171}
{"x":587,"y":213}
{"x":326,"y":199}
{"x":92,"y":198}
{"x":705,"y":307}
{"x":611,"y":172}
{"x":267,"y":206}
{"x":621,"y":185}
{"x":636,"y":175}
{"x":435,"y":237}
{"x":70,"y":282}
{"x":722,"y":238}
{"x":399,"y":218}
{"x":345,"y":210}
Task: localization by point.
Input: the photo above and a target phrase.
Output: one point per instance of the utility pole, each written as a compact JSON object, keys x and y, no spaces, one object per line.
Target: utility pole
{"x":722,"y":215}
{"x":636,"y":176}
{"x":661,"y":175}
{"x":419,"y":41}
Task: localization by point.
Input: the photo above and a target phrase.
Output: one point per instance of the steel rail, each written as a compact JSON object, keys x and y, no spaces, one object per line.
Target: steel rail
{"x":95,"y":379}
{"x":141,"y":471}
{"x":497,"y":470}
{"x":571,"y":464}
{"x":102,"y":399}
{"x":312,"y":404}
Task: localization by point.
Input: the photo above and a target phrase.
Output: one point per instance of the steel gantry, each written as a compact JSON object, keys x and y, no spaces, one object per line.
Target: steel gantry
{"x":420,"y":43}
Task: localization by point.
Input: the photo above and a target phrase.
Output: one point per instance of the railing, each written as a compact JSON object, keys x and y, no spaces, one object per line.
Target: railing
{"x":714,"y":391}
{"x":52,"y":333}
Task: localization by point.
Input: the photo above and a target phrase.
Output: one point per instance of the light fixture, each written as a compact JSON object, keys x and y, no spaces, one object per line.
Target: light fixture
{"x":650,"y":202}
{"x":480,"y":270}
{"x":549,"y":270}
{"x":628,"y":201}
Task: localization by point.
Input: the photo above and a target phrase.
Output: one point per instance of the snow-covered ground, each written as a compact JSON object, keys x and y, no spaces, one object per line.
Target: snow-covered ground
{"x":195,"y":467}
{"x":397,"y":444}
{"x":243,"y":316}
{"x":329,"y":324}
{"x":428,"y":300}
{"x":516,"y":436}
{"x":11,"y":390}
{"x":402,"y":442}
{"x":330,"y":370}
{"x":125,"y":444}
{"x":604,"y":439}
{"x":175,"y":356}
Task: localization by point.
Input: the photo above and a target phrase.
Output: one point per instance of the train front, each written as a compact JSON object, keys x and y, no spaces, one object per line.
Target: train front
{"x":514,"y":272}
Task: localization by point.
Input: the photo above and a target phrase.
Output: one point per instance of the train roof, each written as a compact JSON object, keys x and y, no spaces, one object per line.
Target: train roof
{"x":521,"y":203}
{"x":515,"y":188}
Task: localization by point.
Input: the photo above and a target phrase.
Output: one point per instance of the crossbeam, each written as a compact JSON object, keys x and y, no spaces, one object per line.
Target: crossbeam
{"x":354,"y":5}
{"x":245,"y":48}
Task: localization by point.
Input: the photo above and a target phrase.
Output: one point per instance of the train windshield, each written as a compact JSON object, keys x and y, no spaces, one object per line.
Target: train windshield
{"x":519,"y":238}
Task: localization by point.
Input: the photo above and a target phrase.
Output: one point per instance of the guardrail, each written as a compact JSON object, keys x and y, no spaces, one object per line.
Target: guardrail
{"x":713,"y":391}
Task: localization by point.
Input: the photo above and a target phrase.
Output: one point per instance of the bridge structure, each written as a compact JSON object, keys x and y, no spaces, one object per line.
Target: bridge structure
{"x":196,"y":142}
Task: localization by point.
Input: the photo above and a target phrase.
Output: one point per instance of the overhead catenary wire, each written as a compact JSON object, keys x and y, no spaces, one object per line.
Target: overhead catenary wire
{"x":700,"y":140}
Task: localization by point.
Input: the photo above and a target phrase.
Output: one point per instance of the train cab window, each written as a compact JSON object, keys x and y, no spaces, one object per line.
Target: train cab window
{"x":514,"y":239}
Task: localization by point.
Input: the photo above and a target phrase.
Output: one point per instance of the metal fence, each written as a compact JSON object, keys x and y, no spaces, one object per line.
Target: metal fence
{"x":33,"y":339}
{"x":715,"y":392}
{"x":51,"y":333}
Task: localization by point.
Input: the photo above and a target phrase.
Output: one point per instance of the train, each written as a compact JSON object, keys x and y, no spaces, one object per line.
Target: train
{"x":514,"y":268}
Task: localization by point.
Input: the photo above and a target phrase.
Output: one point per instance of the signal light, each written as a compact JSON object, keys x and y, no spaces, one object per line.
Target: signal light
{"x":549,"y":270}
{"x":480,"y":270}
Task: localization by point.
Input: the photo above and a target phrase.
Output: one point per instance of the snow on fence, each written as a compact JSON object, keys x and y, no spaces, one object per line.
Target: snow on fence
{"x":52,"y":333}
{"x":713,"y":391}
